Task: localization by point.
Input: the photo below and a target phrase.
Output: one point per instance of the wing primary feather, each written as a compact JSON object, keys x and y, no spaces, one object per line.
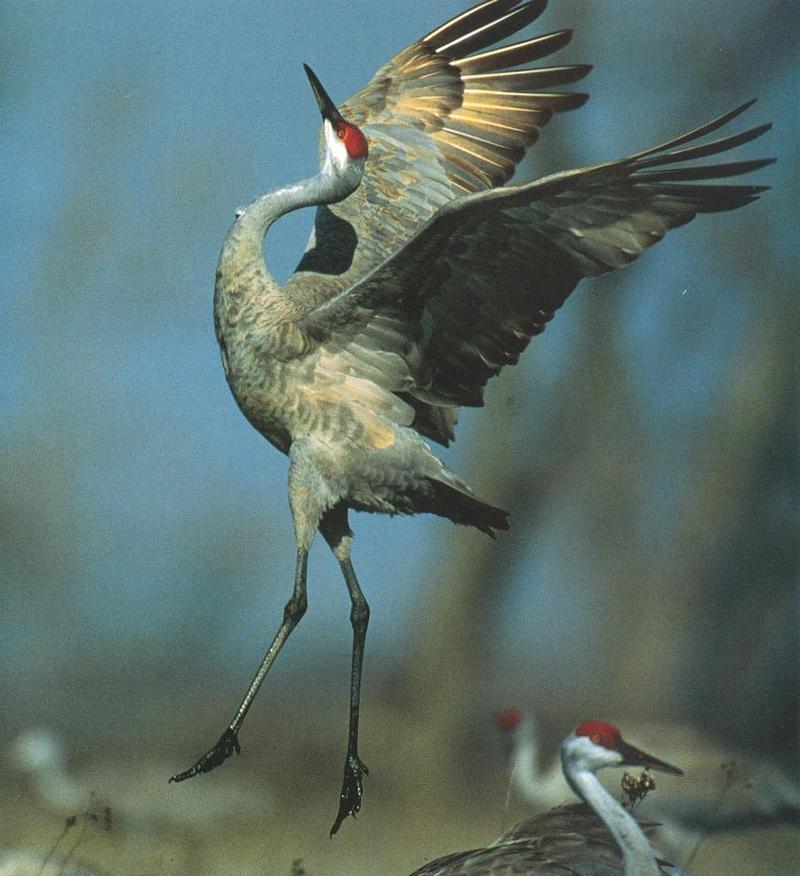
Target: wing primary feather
{"x":732,"y":168}
{"x":518,"y":53}
{"x":495,"y":30}
{"x":522,"y":79}
{"x":467,"y":21}
{"x":713,"y":125}
{"x":556,"y":101}
{"x":491,"y":124}
{"x":712,"y":148}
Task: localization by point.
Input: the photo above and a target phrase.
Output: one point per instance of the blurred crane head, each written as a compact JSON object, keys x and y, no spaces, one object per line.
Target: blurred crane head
{"x":345,"y":145}
{"x":509,"y":719}
{"x":37,"y":751}
{"x":597,"y":744}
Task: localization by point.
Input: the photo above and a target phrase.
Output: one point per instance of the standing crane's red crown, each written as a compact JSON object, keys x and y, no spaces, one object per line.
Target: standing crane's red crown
{"x":509,"y":719}
{"x":600,"y":733}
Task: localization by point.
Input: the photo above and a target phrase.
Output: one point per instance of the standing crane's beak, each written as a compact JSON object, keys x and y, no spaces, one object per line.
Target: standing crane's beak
{"x":326,"y":106}
{"x":633,"y":757}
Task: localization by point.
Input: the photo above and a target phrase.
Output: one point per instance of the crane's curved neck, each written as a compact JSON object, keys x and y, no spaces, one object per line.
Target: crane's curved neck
{"x":242,"y":264}
{"x":638,"y":855}
{"x":540,"y":786}
{"x":525,"y":758}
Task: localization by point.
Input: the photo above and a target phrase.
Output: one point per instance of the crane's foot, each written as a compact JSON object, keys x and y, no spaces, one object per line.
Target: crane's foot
{"x":352,"y":790}
{"x":227,"y":744}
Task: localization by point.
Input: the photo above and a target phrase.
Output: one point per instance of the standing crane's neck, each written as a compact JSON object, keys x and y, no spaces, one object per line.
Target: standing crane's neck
{"x":242,"y":266}
{"x":525,"y":756}
{"x":541,"y":786}
{"x":638,"y":856}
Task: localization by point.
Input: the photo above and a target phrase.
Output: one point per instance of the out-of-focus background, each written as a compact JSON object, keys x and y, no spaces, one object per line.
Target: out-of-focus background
{"x":646,"y":448}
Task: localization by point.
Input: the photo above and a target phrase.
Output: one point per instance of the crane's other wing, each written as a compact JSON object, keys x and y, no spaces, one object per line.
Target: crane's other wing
{"x":443,"y":118}
{"x":471,"y":289}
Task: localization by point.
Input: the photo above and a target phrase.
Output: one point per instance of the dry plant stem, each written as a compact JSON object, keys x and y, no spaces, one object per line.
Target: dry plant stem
{"x":729,"y":770}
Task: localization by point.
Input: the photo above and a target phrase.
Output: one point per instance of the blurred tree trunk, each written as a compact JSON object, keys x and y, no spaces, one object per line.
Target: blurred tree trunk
{"x":446,"y":665}
{"x":445,"y":674}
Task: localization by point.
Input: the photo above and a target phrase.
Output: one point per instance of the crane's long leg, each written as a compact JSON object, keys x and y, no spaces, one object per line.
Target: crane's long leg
{"x":338,"y":535}
{"x":229,"y":741}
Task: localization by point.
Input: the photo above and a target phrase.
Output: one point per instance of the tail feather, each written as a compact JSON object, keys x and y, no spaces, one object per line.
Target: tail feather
{"x":458,"y":504}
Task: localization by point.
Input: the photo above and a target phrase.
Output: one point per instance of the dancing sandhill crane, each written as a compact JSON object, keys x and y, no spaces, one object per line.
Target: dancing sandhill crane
{"x":723,"y":791}
{"x":423,"y":277}
{"x":599,"y":837}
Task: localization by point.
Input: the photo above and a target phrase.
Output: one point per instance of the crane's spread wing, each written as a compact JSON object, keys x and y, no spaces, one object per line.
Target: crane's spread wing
{"x":465,"y":296}
{"x":443,"y":118}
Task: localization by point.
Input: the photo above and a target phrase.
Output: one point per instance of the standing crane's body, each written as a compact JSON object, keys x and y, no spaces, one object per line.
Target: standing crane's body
{"x":569,"y":840}
{"x":596,"y":838}
{"x":421,"y":281}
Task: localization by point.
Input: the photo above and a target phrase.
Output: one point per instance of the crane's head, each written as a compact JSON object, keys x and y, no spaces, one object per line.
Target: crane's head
{"x":37,"y":751}
{"x":510,"y":719}
{"x":345,"y":145}
{"x":597,"y":744}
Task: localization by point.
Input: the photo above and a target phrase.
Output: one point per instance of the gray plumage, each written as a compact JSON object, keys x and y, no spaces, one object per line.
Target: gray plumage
{"x":422,"y":279}
{"x":566,"y":840}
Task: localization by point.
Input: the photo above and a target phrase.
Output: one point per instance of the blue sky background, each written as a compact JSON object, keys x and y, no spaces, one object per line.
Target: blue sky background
{"x":130,"y":133}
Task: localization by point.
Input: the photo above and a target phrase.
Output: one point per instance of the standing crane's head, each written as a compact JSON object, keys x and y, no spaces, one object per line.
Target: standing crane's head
{"x":345,"y":145}
{"x":596,"y":744}
{"x":510,"y":719}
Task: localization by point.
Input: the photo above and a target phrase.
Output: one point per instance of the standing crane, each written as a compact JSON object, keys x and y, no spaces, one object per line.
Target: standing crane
{"x":423,"y":277}
{"x":724,"y":792}
{"x":599,"y":837}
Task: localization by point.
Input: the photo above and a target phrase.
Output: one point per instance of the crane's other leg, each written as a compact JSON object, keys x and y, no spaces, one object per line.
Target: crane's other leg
{"x":337,"y":533}
{"x":229,"y":741}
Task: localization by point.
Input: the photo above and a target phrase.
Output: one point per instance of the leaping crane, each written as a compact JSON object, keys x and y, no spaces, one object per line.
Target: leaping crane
{"x":600,"y":837}
{"x":422,"y":279}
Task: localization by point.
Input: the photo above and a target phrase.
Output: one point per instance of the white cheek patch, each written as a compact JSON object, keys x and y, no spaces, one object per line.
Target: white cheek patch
{"x":337,"y":151}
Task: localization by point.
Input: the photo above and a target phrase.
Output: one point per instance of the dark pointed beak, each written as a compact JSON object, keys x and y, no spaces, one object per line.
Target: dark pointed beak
{"x":326,"y":106}
{"x":633,"y":757}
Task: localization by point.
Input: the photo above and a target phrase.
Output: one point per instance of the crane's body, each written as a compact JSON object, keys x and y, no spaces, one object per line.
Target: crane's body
{"x":310,"y":403}
{"x":596,"y":838}
{"x":423,"y":278}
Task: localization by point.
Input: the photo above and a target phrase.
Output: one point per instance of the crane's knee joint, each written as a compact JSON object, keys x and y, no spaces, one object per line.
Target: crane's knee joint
{"x":342,"y":547}
{"x":359,"y":615}
{"x":295,"y":608}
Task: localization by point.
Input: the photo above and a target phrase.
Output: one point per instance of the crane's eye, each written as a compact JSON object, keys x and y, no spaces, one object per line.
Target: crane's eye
{"x":595,"y":737}
{"x":341,"y":133}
